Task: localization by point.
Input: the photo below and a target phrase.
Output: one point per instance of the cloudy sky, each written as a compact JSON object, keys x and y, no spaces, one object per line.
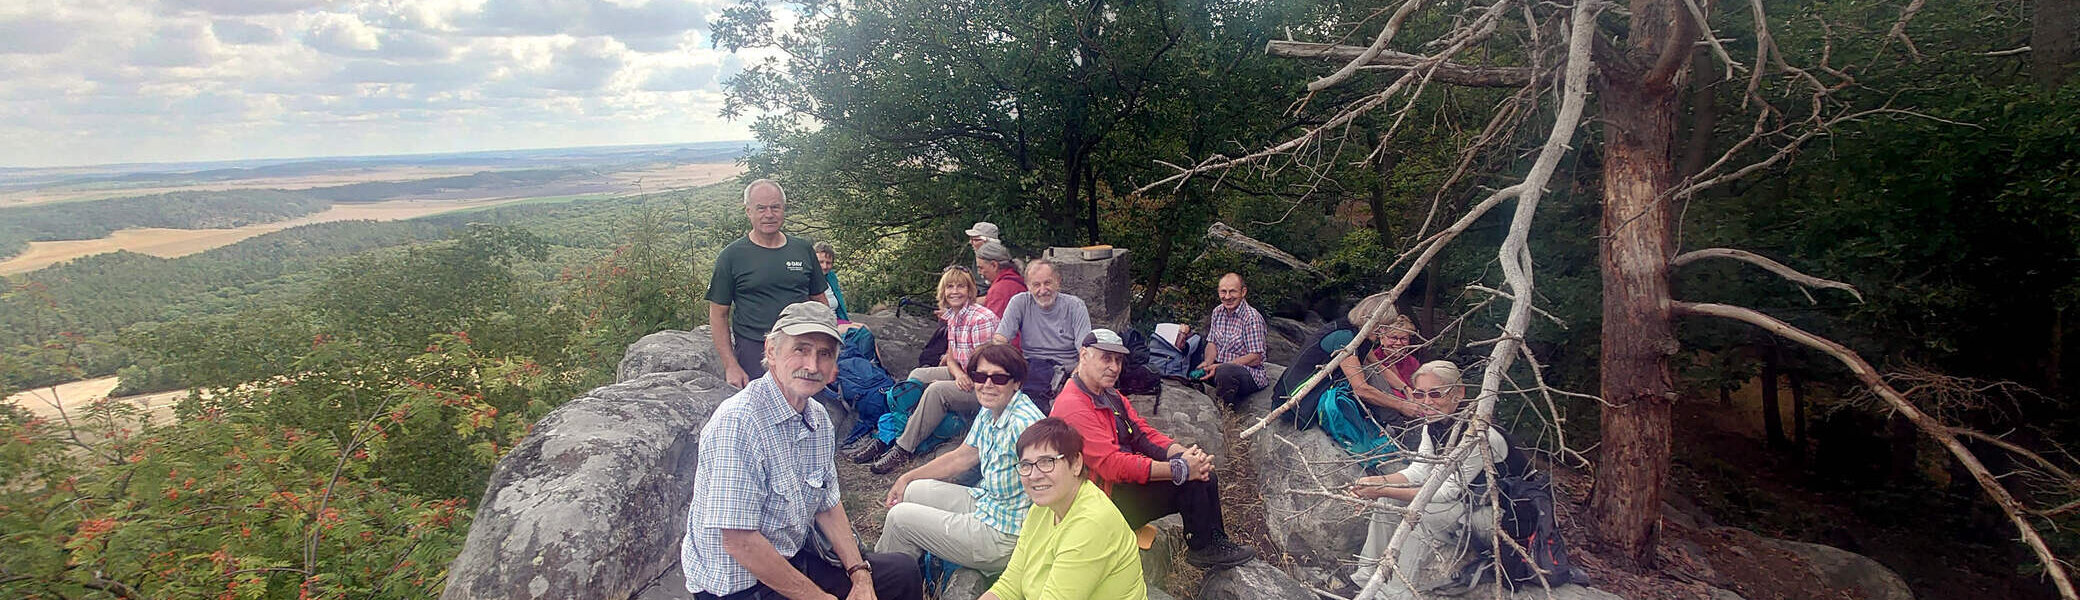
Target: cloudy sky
{"x":105,"y":81}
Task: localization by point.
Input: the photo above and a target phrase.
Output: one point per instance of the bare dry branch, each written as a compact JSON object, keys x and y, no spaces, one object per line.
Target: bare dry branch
{"x":1899,"y":28}
{"x":1448,"y":72}
{"x":1767,"y":265}
{"x":1379,"y":44}
{"x":2017,"y":513}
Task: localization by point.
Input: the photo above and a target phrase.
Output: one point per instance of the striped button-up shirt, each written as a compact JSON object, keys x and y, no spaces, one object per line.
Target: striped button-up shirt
{"x":1238,"y":332}
{"x":999,"y":500}
{"x":763,"y":467}
{"x":967,"y":329}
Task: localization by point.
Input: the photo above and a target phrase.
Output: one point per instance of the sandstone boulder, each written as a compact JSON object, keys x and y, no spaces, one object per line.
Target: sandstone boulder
{"x":1284,"y":339}
{"x":1185,"y":414}
{"x":1849,"y":571}
{"x":667,"y":351}
{"x":1102,"y":283}
{"x":556,"y":519}
{"x":899,"y":335}
{"x":965,"y":584}
{"x":1293,"y":468}
{"x":1256,"y":580}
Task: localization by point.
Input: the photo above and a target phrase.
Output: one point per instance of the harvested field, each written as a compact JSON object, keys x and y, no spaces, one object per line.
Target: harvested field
{"x":75,"y":396}
{"x":170,"y":243}
{"x":675,"y":176}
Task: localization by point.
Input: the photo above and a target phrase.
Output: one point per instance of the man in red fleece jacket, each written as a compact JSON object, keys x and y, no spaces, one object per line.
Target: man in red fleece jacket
{"x":1147,"y":474}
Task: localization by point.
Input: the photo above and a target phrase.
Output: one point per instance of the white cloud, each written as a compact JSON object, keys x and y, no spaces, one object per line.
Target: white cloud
{"x":99,"y":81}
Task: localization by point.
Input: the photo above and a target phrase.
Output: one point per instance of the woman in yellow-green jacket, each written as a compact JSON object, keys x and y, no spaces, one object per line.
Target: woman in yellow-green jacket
{"x":1074,"y":544}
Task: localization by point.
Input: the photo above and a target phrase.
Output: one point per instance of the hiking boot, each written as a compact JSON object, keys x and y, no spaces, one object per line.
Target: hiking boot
{"x":856,"y":446}
{"x":872,"y":450}
{"x":1220,"y":554}
{"x":894,"y":459}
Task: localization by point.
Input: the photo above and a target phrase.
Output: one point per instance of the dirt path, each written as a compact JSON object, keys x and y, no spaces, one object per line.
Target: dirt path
{"x":75,"y":396}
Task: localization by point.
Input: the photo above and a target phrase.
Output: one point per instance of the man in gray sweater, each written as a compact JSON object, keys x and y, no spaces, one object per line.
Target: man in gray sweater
{"x":1048,"y":325}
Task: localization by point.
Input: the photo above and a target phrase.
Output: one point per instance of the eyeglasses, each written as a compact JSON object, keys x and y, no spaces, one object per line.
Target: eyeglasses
{"x":1045,"y":464}
{"x":994,"y":378}
{"x":1430,"y":393}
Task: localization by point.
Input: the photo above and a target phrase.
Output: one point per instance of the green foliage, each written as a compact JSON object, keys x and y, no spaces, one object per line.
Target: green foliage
{"x":175,"y":210}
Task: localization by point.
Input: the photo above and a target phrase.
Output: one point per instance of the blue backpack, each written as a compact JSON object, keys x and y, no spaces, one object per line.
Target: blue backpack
{"x":862,"y":381}
{"x":1347,"y":422}
{"x":902,"y":400}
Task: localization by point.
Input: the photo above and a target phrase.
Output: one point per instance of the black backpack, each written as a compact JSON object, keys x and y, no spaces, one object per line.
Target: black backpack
{"x":1135,"y":377}
{"x":1528,"y":516}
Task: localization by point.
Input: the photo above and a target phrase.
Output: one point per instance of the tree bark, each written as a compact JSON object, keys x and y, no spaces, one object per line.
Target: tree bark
{"x":1798,"y":411}
{"x":1639,"y":115}
{"x":1772,"y":410}
{"x":2055,"y":355}
{"x":1383,"y":170}
{"x":2052,"y":50}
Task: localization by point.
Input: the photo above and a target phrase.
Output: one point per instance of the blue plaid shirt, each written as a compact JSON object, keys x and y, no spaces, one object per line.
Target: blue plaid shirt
{"x":763,"y":467}
{"x":999,"y":500}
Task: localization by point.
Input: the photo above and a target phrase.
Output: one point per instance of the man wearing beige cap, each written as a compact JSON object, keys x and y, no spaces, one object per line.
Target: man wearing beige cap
{"x":984,"y":232}
{"x":766,"y":477}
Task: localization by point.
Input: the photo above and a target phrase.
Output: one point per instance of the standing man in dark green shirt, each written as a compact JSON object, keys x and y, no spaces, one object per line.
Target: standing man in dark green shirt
{"x":754,"y":278}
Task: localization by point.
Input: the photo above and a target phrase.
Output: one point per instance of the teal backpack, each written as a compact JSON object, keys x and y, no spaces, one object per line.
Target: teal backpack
{"x":1346,"y":421}
{"x":902,"y":400}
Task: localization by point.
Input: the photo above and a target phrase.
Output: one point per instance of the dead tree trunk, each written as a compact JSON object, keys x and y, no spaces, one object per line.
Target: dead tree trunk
{"x":1639,"y":115}
{"x":2052,"y":49}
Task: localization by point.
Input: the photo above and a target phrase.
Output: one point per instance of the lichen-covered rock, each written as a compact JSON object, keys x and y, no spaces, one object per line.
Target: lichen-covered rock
{"x":1293,"y":467}
{"x":965,"y":584}
{"x":1184,"y":414}
{"x":1158,"y":558}
{"x":1255,"y":580}
{"x":667,"y":351}
{"x":1849,"y":571}
{"x":1155,"y":593}
{"x":592,"y":504}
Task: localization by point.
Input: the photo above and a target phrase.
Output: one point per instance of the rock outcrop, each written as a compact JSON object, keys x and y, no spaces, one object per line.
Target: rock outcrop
{"x":592,"y":504}
{"x":668,"y":351}
{"x":1102,"y":283}
{"x":1849,"y":571}
{"x":1256,"y":580}
{"x":1320,"y":533}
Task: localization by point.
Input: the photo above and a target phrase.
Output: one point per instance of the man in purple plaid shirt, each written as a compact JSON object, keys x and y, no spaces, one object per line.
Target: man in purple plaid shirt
{"x":1235,"y":340}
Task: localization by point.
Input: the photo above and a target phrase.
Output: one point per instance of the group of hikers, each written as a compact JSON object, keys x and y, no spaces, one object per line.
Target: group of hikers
{"x":1057,"y":477}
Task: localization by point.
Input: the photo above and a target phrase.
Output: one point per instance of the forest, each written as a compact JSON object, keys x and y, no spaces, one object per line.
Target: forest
{"x":1655,"y":210}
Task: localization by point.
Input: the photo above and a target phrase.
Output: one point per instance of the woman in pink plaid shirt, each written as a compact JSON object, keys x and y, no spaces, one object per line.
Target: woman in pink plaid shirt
{"x":969,"y":325}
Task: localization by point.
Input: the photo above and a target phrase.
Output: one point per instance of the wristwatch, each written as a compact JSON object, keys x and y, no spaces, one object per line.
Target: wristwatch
{"x":1179,"y":469}
{"x":862,"y":566}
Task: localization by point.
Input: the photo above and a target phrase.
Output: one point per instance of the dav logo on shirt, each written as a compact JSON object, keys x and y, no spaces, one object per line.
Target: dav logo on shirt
{"x":798,"y":266}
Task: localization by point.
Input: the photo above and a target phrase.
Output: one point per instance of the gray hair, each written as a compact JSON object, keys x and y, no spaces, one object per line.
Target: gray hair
{"x":758,"y":182}
{"x":824,"y":248}
{"x":1441,"y":369}
{"x":1041,"y":262}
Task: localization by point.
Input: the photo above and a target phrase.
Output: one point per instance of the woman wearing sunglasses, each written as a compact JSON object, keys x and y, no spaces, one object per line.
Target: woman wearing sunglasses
{"x":1437,"y":388}
{"x":972,"y":527}
{"x":1075,"y":544}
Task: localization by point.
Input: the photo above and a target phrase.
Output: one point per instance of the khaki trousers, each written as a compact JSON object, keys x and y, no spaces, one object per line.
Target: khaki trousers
{"x":939,"y":517}
{"x":941,"y":396}
{"x":1439,"y":541}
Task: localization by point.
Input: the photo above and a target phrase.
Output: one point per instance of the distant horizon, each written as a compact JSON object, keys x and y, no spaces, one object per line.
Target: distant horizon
{"x":277,"y":160}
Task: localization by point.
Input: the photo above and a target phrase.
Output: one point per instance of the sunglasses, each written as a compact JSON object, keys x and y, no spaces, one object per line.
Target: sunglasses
{"x":1045,"y":464}
{"x":994,"y":378}
{"x":1431,"y":393}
